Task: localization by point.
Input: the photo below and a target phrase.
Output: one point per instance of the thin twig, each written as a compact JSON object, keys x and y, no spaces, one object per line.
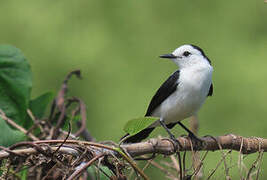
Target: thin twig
{"x":175,"y":164}
{"x":83,"y":116}
{"x":165,"y":171}
{"x":224,"y":159}
{"x":67,"y":150}
{"x":181,"y":175}
{"x":253,"y":166}
{"x":15,"y":125}
{"x":64,"y":140}
{"x":194,"y":126}
{"x":240,"y":158}
{"x":80,"y":170}
{"x":146,"y":166}
{"x":184,"y":164}
{"x":35,"y":121}
{"x":217,"y":166}
{"x":60,"y":102}
{"x":201,"y":164}
{"x":259,"y":165}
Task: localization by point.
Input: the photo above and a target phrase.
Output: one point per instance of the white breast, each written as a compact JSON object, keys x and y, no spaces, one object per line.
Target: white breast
{"x":192,"y":90}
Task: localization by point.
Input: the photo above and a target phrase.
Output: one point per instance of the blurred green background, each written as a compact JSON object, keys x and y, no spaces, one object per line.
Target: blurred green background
{"x":116,"y":45}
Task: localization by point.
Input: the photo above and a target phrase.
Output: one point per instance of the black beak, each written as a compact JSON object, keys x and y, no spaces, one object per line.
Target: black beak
{"x":168,"y":56}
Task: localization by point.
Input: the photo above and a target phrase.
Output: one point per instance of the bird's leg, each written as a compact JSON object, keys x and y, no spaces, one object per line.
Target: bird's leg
{"x":191,"y":135}
{"x":172,"y":137}
{"x":162,"y":123}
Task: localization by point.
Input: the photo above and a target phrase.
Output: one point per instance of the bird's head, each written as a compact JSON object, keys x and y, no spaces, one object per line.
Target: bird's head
{"x":187,"y":56}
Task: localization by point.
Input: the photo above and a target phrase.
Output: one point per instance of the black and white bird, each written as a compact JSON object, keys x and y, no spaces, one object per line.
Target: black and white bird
{"x":182,"y":94}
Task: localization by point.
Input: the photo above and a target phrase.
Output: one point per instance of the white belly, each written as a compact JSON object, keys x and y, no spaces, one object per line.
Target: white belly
{"x":192,"y":90}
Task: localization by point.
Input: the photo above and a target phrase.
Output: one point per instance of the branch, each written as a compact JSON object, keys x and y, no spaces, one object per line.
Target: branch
{"x":230,"y":141}
{"x":53,"y":149}
{"x":161,"y":146}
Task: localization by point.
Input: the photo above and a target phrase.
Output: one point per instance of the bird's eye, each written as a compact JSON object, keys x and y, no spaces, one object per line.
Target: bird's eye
{"x":186,"y":53}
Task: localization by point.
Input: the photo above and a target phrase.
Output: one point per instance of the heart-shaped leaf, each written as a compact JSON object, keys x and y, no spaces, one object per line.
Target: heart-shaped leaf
{"x":136,"y":125}
{"x":15,"y":83}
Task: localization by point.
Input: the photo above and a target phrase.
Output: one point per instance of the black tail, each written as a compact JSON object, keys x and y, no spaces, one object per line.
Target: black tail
{"x":139,"y":136}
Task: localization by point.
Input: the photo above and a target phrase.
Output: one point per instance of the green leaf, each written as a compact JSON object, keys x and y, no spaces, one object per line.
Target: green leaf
{"x":15,"y":83}
{"x":38,"y":105}
{"x":134,"y":126}
{"x":9,"y":136}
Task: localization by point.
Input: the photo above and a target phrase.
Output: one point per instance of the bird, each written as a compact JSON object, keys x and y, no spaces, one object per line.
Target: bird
{"x":182,"y":94}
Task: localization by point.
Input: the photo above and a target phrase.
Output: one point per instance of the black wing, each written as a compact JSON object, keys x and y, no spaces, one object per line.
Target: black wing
{"x":211,"y":90}
{"x":165,"y":90}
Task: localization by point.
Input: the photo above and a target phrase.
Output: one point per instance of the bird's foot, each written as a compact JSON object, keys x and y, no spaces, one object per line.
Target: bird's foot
{"x":196,"y":141}
{"x":176,"y":144}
